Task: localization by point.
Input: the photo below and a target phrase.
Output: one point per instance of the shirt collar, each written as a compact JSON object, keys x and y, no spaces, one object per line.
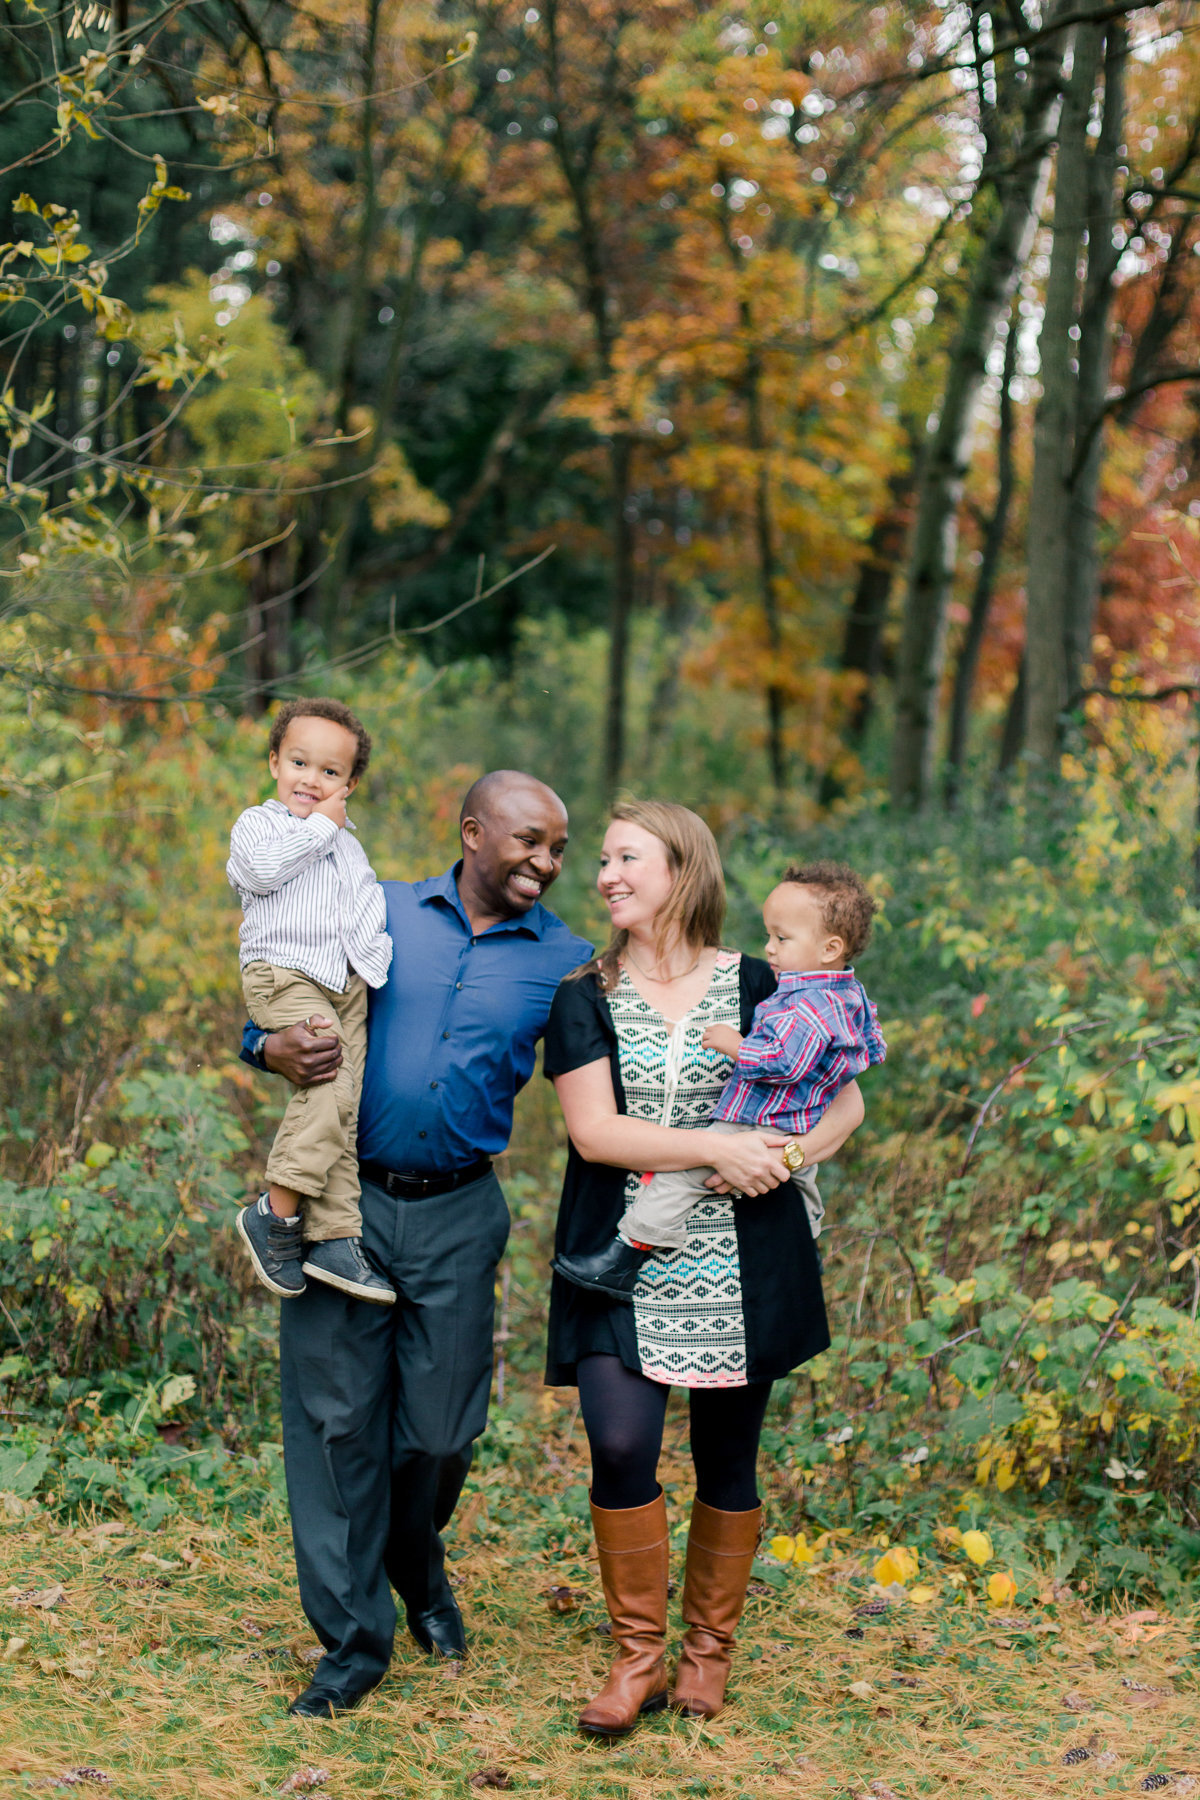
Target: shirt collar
{"x":791,"y":979}
{"x":444,"y":888}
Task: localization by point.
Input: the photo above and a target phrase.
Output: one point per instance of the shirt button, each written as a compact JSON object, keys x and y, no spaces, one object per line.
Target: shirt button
{"x":433,"y":1084}
{"x":458,"y":984}
{"x":445,"y":1034}
{"x":422,"y":1134}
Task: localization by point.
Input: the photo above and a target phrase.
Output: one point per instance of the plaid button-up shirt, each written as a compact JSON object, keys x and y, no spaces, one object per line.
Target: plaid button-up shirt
{"x":816,"y":1032}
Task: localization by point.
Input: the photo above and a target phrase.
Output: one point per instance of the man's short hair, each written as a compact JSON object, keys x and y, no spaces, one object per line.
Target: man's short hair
{"x":846,"y":904}
{"x":336,"y":713}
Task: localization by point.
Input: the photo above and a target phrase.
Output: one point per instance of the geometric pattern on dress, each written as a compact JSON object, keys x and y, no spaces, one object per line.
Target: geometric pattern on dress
{"x":687,"y":1305}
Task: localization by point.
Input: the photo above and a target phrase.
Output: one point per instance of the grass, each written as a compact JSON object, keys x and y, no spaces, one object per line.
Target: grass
{"x":167,"y":1662}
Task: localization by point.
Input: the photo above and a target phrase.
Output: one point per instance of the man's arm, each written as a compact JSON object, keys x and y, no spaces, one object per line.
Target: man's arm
{"x":301,"y":1053}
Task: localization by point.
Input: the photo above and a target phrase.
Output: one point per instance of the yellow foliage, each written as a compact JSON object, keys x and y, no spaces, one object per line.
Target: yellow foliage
{"x":898,"y":1564}
{"x":397,"y":497}
{"x":1001,"y":1588}
{"x":977,"y":1545}
{"x":791,"y":1549}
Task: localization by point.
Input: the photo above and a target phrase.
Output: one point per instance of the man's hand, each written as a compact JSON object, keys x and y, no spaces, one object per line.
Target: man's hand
{"x":334,"y":808}
{"x":307,"y":1054}
{"x":723,"y":1038}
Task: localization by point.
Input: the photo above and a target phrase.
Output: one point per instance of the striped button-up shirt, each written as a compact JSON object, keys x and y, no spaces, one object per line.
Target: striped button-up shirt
{"x":310,"y":898}
{"x":816,"y":1032}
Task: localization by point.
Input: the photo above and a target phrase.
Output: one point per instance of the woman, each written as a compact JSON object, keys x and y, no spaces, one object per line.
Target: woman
{"x":738,"y":1306}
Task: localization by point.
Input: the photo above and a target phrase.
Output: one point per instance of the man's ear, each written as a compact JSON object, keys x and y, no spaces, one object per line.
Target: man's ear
{"x":470,"y":831}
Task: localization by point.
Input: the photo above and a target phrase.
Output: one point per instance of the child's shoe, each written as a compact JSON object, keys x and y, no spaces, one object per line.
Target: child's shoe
{"x":340,"y":1263}
{"x":613,"y":1271}
{"x":275,"y":1245}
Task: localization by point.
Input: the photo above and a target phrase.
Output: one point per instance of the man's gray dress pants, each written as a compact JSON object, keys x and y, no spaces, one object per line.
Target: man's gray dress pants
{"x":381,"y":1407}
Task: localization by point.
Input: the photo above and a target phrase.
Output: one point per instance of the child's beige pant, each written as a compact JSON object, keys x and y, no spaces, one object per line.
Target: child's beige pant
{"x":314,"y":1148}
{"x":659,"y":1214}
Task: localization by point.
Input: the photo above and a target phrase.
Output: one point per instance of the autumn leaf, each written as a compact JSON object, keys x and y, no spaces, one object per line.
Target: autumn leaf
{"x":977,"y":1545}
{"x":304,"y":1781}
{"x":1001,"y":1588}
{"x":899,"y":1564}
{"x":491,"y":1778}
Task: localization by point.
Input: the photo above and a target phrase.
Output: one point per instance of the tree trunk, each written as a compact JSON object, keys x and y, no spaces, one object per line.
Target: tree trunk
{"x":1020,"y":189}
{"x":620,"y":458}
{"x":341,"y":503}
{"x":768,"y":580}
{"x":1013,"y":735}
{"x":1095,"y":367}
{"x":981,"y":599}
{"x":1054,"y":423}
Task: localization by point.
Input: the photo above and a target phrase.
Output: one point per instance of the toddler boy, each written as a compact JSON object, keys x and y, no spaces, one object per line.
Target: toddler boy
{"x":816,"y":1032}
{"x":312,"y":941}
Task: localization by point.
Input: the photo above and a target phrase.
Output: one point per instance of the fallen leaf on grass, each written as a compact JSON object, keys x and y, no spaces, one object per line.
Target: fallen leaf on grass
{"x":563,"y":1599}
{"x":45,"y":1598}
{"x":1108,"y":1759}
{"x":158,"y":1562}
{"x":1186,"y":1784}
{"x":1074,"y":1702}
{"x":14,"y":1647}
{"x":76,"y":1777}
{"x":491,"y":1778}
{"x":1147,"y":1697}
{"x":304,"y":1781}
{"x":862,"y":1690}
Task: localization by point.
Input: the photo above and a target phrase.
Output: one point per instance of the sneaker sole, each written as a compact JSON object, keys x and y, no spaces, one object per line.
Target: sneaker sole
{"x":268,"y":1281}
{"x":355,"y":1288}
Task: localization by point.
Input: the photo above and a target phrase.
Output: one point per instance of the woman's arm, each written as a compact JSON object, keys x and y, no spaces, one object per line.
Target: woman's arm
{"x":750,"y":1162}
{"x":841,"y":1118}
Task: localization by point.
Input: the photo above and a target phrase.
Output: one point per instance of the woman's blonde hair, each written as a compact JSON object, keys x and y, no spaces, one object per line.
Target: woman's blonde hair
{"x":695,"y":908}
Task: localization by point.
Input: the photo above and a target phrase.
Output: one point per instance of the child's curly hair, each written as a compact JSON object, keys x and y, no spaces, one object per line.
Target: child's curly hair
{"x":846,"y":905}
{"x":336,"y":713}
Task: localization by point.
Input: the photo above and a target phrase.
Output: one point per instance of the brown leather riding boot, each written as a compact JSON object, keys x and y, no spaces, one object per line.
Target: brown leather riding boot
{"x":720,"y":1553}
{"x":633,"y":1569}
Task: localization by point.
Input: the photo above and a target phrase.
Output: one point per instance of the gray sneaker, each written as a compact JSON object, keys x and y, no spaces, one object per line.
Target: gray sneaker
{"x":340,"y":1263}
{"x":275,"y":1245}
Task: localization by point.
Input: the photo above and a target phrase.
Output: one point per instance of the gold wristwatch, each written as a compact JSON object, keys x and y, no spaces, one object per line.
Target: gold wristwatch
{"x":793,"y":1156}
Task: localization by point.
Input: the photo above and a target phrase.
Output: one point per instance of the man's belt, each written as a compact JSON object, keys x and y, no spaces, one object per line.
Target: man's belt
{"x":402,"y":1186}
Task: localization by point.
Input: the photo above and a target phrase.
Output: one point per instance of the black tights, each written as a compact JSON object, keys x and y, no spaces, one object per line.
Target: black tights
{"x":623,"y":1414}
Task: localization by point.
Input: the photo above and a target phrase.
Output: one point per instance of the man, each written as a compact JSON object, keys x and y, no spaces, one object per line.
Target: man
{"x":381,"y":1407}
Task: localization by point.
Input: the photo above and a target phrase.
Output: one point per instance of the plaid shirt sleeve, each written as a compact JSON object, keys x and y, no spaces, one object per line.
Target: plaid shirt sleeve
{"x":783,"y":1048}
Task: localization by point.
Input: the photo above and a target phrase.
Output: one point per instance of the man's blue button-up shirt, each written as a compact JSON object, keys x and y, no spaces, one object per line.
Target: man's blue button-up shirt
{"x":452,"y":1034}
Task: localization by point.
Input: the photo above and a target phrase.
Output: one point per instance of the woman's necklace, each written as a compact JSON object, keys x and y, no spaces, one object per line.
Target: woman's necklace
{"x":662,"y":980}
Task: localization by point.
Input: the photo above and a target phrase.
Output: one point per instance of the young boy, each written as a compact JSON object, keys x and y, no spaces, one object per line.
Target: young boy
{"x":816,"y":1032}
{"x":312,"y":941}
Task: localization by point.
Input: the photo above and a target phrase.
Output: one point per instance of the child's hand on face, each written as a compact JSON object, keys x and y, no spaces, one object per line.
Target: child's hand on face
{"x":334,"y":808}
{"x":724,"y":1039}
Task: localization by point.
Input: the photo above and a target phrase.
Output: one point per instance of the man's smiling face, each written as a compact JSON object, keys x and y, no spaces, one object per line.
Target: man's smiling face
{"x":516,"y":846}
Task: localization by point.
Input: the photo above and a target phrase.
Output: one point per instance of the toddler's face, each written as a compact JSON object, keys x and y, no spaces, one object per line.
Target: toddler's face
{"x":313,"y":762}
{"x":798,"y":939}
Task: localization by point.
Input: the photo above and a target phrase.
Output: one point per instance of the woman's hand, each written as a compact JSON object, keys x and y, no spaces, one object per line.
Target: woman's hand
{"x":747,"y":1162}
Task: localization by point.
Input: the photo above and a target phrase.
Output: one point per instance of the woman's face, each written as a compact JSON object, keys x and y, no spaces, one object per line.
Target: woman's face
{"x":635,"y":877}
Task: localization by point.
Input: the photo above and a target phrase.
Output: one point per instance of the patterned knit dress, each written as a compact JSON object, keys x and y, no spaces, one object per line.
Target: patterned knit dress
{"x":741,"y":1301}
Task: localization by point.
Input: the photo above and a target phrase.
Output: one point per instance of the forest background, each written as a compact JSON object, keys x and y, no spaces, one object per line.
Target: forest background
{"x":790,"y":409}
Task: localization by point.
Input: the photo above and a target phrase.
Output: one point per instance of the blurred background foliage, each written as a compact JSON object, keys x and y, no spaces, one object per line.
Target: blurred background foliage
{"x":320,"y":328}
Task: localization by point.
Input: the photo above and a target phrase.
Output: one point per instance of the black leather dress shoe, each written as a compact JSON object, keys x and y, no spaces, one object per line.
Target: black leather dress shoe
{"x":319,"y":1702}
{"x":439,"y":1630}
{"x":613,"y":1271}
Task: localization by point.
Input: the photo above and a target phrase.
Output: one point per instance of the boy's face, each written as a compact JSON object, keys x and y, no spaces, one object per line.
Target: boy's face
{"x":313,"y":762}
{"x":798,"y":939}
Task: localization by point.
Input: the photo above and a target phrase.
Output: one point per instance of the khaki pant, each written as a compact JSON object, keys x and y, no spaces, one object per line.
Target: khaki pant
{"x":314,"y":1149}
{"x":659,"y":1214}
